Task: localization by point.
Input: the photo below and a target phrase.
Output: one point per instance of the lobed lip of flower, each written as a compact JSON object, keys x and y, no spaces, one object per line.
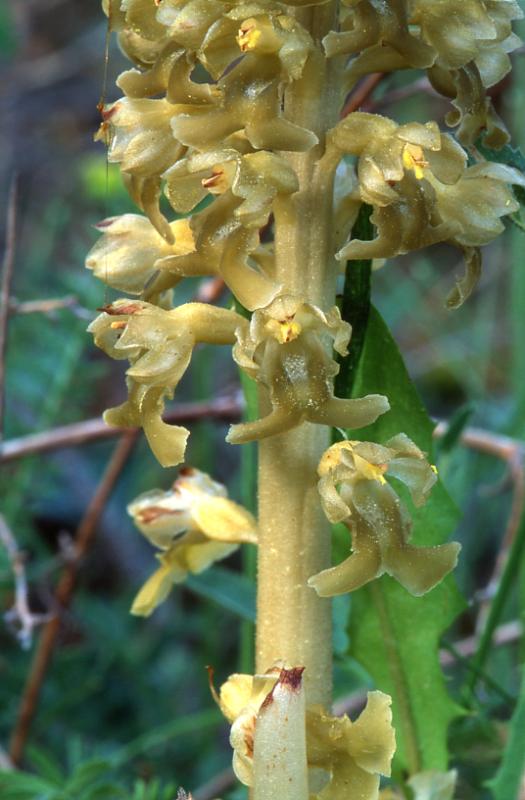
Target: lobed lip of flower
{"x":387,"y":151}
{"x":159,"y":345}
{"x":194,"y":524}
{"x":354,"y":490}
{"x":283,"y":349}
{"x":354,"y":754}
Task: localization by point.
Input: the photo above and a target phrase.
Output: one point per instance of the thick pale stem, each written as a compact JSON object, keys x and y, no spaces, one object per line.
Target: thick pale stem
{"x":294,"y":624}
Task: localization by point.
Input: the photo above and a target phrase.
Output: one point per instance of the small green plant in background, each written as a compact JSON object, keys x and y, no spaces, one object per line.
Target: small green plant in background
{"x":237,"y":142}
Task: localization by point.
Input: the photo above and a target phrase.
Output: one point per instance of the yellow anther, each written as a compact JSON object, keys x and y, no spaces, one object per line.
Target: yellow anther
{"x":285,"y":330}
{"x":371,"y":472}
{"x":434,"y":469}
{"x":118,"y":324}
{"x":414,"y":159}
{"x":248,"y":36}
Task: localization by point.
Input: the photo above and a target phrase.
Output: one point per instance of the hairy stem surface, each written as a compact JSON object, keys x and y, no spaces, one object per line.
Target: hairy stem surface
{"x":294,"y":624}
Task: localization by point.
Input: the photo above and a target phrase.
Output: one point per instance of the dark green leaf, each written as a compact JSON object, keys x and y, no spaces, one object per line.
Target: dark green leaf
{"x":103,"y":791}
{"x":455,"y":428}
{"x":228,"y":589}
{"x":355,"y":304}
{"x":23,"y":785}
{"x":46,"y":765}
{"x":199,"y":722}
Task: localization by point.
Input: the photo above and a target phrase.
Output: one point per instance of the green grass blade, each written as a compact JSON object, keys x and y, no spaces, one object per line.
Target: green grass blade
{"x":182,"y":726}
{"x":497,"y":607}
{"x":508,"y":780}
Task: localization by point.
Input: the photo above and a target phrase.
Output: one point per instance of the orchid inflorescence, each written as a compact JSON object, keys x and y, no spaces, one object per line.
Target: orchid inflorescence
{"x":215,"y":119}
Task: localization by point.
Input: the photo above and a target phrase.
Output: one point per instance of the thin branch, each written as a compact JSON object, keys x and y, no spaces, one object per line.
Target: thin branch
{"x":5,"y":289}
{"x":49,"y":306}
{"x":421,"y":86}
{"x":512,"y":452}
{"x":513,"y":561}
{"x":362,"y":93}
{"x":90,"y":430}
{"x":84,"y":537}
{"x":19,"y":617}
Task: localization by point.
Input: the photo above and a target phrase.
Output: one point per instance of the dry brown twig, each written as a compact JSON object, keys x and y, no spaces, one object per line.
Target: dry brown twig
{"x":226,"y":408}
{"x":83,"y":540}
{"x":19,"y":617}
{"x":512,"y":452}
{"x":49,"y":306}
{"x":362,"y":93}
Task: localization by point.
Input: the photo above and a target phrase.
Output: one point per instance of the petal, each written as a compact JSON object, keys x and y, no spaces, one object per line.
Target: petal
{"x":350,"y":413}
{"x":419,"y":569}
{"x":433,"y":785}
{"x":466,"y":285}
{"x":333,"y":505}
{"x":202,"y":555}
{"x":225,"y":521}
{"x":370,"y":740}
{"x":154,"y":592}
{"x":278,"y":421}
{"x":168,"y":442}
{"x":360,"y":568}
{"x":235,"y":695}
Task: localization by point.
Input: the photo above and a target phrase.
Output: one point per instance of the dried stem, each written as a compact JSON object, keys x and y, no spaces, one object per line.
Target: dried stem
{"x":223,"y":408}
{"x":512,"y":452}
{"x":362,"y":93}
{"x":84,"y":537}
{"x":49,"y":306}
{"x":20,"y":616}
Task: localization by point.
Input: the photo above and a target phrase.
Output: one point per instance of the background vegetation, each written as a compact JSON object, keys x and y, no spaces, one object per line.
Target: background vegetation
{"x":125,"y":705}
